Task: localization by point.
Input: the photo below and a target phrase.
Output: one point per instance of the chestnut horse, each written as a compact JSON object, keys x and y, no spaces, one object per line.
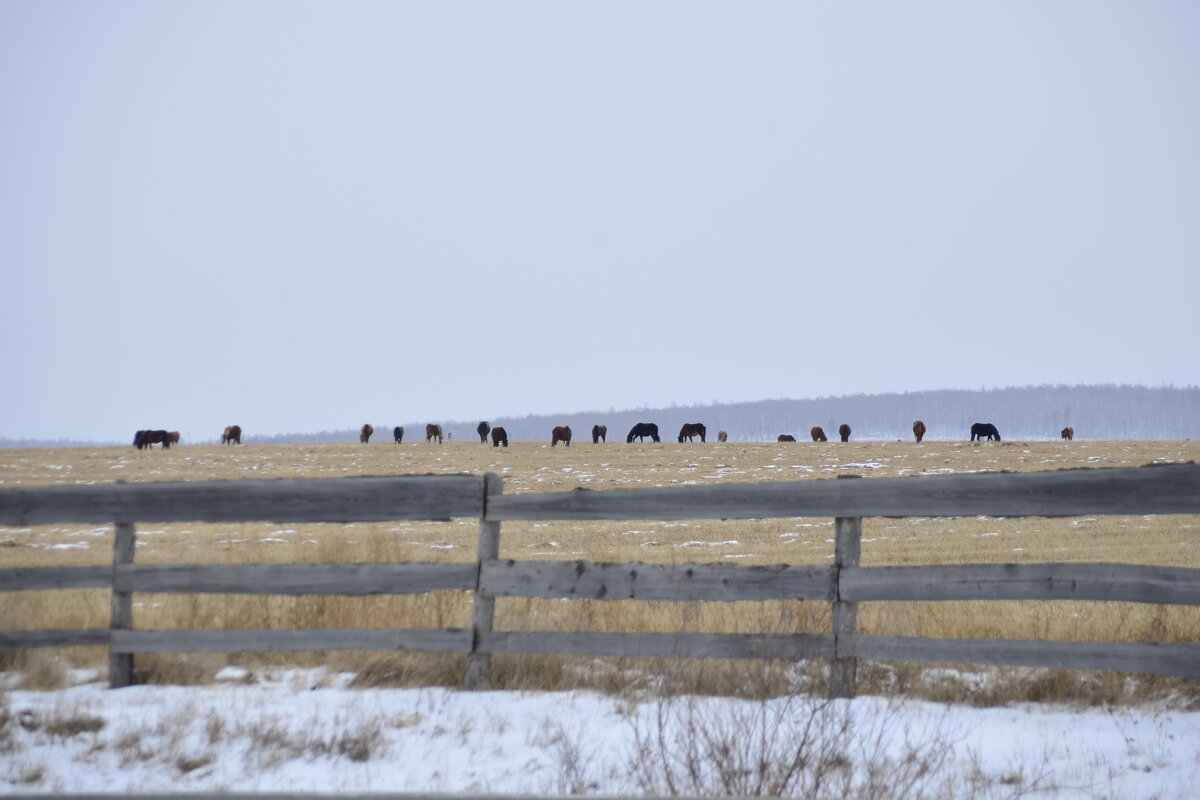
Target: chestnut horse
{"x":818,"y":434}
{"x":173,"y":437}
{"x":1068,"y":434}
{"x":562,"y":433}
{"x":364,"y":434}
{"x":691,"y":429}
{"x":232,"y":435}
{"x":919,"y":430}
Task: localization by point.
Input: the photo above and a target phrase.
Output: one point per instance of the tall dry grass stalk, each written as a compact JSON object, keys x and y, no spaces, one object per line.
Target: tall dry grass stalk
{"x":528,"y":466}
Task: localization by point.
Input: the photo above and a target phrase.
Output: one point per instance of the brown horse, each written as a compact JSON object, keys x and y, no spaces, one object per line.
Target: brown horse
{"x":173,"y":436}
{"x":561,"y":434}
{"x":844,"y":432}
{"x":398,"y":434}
{"x":818,"y":434}
{"x":919,"y":430}
{"x":143,"y":439}
{"x":722,"y":436}
{"x":364,"y":433}
{"x":691,"y":429}
{"x":499,"y":437}
{"x":433,"y":431}
{"x":599,"y":433}
{"x":786,"y":437}
{"x":482,"y":430}
{"x":232,"y":435}
{"x":1068,"y":434}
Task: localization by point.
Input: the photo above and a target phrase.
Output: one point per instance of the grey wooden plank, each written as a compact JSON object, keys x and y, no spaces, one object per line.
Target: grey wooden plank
{"x":22,"y":579}
{"x":355,"y":499}
{"x":1180,"y":660}
{"x":655,"y":582}
{"x":1159,"y":489}
{"x":1130,"y":583}
{"x":662,"y":645}
{"x":441,"y":640}
{"x":351,"y":580}
{"x":20,"y":640}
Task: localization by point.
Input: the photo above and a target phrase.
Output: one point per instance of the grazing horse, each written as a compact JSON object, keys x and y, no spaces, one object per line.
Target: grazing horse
{"x":722,"y":436}
{"x":599,"y":433}
{"x":641,"y":431}
{"x":144,"y":439}
{"x":562,"y":433}
{"x":984,"y":430}
{"x":844,"y":432}
{"x":364,"y":433}
{"x":433,"y":431}
{"x":1068,"y":434}
{"x":173,"y":437}
{"x":499,"y":436}
{"x":482,"y":430}
{"x":919,"y":430}
{"x":232,"y":435}
{"x":818,"y":434}
{"x":786,"y":437}
{"x":398,"y":434}
{"x":691,"y":429}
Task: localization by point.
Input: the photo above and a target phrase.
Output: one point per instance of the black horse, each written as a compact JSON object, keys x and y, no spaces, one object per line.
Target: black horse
{"x":143,"y":439}
{"x":599,"y":432}
{"x":691,"y":429}
{"x":984,"y":430}
{"x":482,"y":430}
{"x":398,"y":434}
{"x":641,"y":431}
{"x":499,"y":436}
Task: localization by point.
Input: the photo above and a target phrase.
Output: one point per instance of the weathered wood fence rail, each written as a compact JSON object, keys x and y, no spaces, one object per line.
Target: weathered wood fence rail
{"x":1173,"y":489}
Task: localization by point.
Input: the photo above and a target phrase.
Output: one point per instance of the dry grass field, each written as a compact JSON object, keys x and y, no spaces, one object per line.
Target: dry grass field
{"x":535,"y":466}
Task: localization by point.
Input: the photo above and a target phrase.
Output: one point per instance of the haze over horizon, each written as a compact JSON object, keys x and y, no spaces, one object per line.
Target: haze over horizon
{"x":300,"y":216}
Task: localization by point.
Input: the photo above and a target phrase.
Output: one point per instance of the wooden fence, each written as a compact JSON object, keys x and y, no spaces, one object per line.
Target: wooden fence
{"x":1173,"y":489}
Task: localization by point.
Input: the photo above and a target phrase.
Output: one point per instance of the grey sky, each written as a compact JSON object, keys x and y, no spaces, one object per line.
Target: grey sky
{"x":305,"y":216}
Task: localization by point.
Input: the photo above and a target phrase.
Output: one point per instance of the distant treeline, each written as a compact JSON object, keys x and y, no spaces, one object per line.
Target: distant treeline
{"x":1106,"y":411}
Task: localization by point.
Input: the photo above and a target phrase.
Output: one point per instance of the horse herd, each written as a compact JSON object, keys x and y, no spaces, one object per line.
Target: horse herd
{"x":980,"y":431}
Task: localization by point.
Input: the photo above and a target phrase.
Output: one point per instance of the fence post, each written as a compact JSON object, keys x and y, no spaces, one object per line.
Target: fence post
{"x":120,"y":665}
{"x":847,"y":550}
{"x":484,"y":608}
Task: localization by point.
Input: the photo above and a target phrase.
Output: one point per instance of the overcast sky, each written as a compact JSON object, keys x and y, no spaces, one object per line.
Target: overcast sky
{"x":306,"y":216}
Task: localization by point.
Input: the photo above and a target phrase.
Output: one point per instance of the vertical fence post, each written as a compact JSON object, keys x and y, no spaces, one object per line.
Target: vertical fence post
{"x":843,"y":669}
{"x":120,"y":665}
{"x":484,"y":609}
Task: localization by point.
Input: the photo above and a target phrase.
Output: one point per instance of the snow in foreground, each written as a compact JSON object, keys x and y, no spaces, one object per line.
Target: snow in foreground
{"x":308,"y":732}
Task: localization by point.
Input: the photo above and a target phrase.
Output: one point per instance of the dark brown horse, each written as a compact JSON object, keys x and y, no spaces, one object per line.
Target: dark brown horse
{"x":398,"y":434}
{"x":818,"y":434}
{"x":691,"y":429}
{"x":561,"y":434}
{"x":786,"y":437}
{"x":722,"y":436}
{"x":919,"y":430}
{"x":144,"y":439}
{"x":599,"y":433}
{"x":173,"y":436}
{"x":499,"y":437}
{"x":364,"y":433}
{"x":1068,"y":434}
{"x":433,"y":431}
{"x":844,"y":432}
{"x":482,"y":430}
{"x":232,"y":435}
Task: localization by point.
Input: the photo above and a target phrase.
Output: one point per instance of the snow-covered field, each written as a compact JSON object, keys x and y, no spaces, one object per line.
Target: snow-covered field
{"x":305,"y":730}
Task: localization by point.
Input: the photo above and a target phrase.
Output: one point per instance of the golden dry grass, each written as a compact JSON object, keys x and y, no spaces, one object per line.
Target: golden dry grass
{"x":535,"y":466}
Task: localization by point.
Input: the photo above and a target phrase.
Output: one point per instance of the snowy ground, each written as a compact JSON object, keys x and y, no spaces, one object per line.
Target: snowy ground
{"x":307,"y":731}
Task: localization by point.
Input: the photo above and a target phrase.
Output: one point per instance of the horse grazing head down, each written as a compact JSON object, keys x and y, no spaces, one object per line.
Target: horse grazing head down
{"x":599,"y":433}
{"x":722,"y":436}
{"x":818,"y":434}
{"x":232,"y":435}
{"x":786,"y":437}
{"x":641,"y":431}
{"x":984,"y":430}
{"x":691,"y":429}
{"x":1068,"y":433}
{"x":844,"y":432}
{"x":562,"y":433}
{"x":919,"y":430}
{"x":499,"y":437}
{"x":482,"y":429}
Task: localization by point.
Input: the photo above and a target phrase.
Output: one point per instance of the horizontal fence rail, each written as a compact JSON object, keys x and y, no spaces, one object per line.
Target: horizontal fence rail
{"x":1171,"y":489}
